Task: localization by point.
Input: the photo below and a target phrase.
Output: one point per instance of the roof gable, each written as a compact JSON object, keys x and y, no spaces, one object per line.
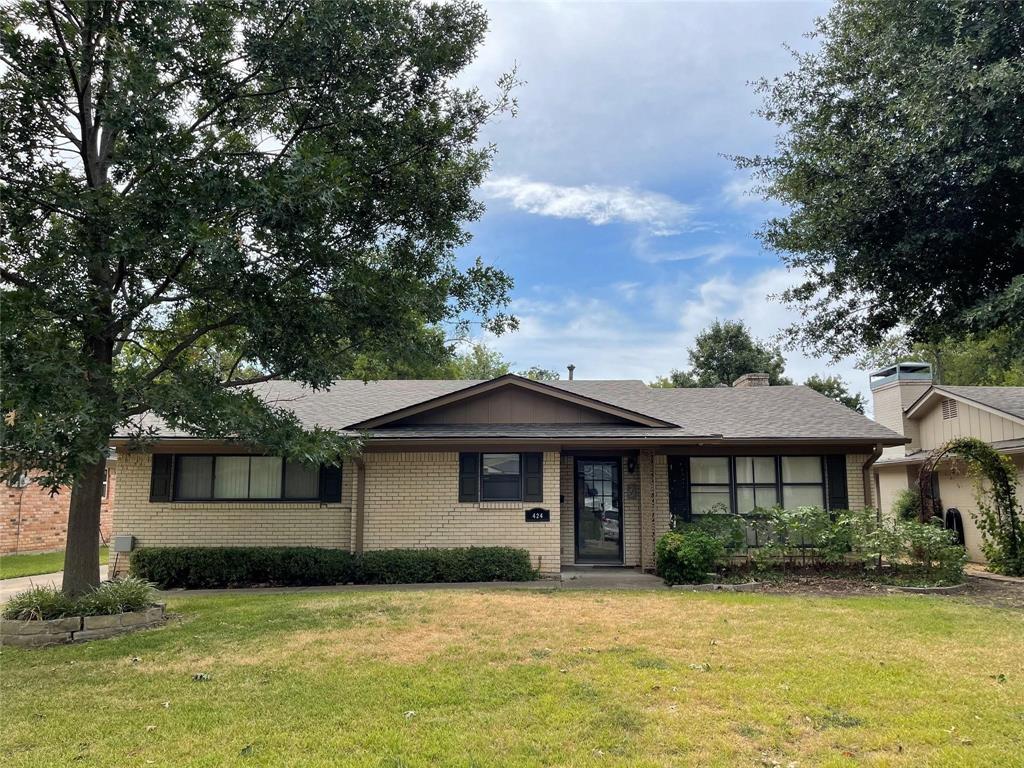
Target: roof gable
{"x":1005,"y":402}
{"x":512,"y":399}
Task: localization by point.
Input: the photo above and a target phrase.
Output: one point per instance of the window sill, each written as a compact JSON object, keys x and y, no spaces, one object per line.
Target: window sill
{"x":498,"y":504}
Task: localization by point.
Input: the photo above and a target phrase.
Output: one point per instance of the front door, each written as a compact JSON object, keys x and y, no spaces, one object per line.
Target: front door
{"x":598,"y":511}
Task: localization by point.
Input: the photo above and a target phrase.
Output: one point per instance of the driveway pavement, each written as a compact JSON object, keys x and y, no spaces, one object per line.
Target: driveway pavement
{"x":9,"y":587}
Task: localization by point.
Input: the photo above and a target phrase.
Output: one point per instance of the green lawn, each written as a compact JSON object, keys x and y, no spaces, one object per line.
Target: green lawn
{"x":13,"y":566}
{"x":527,"y":678}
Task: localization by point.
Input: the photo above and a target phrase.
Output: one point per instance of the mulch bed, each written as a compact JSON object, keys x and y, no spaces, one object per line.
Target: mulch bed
{"x":979,"y":591}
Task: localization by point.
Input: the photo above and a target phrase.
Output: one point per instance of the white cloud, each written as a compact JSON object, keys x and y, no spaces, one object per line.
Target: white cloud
{"x":712,"y":252}
{"x":658,"y":214}
{"x":605,"y":339}
{"x":741,"y":193}
{"x":638,"y":91}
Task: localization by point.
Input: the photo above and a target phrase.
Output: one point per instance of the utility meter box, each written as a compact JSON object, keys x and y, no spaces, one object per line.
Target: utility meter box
{"x":124,"y":543}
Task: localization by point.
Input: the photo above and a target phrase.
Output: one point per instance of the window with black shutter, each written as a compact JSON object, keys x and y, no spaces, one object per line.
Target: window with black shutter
{"x":678,"y":492}
{"x":533,"y":477}
{"x":161,"y":477}
{"x":838,"y":496}
{"x":469,"y":477}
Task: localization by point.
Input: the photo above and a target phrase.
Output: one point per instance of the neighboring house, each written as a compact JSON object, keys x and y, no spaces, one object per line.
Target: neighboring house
{"x":34,"y":520}
{"x":930,"y":415}
{"x":576,"y":472}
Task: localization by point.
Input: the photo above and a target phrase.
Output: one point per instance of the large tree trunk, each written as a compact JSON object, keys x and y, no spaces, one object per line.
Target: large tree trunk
{"x":82,"y":556}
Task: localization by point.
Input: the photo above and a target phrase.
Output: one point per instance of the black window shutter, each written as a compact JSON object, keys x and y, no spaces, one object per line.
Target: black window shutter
{"x":330,"y":484}
{"x":162,"y":476}
{"x":835,"y":471}
{"x":469,"y":477}
{"x":678,"y":487}
{"x":533,"y":477}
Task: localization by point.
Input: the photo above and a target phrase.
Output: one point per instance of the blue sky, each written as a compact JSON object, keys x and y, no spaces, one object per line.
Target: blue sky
{"x":610,"y":202}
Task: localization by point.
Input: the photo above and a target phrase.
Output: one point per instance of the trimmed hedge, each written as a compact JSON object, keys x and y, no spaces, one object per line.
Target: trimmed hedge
{"x":208,"y":567}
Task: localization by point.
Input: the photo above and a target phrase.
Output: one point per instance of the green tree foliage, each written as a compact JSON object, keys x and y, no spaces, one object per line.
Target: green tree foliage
{"x":835,"y":388}
{"x":282,"y":182}
{"x":722,"y":353}
{"x":478,"y":362}
{"x":994,"y":358}
{"x":901,"y":167}
{"x":539,"y":374}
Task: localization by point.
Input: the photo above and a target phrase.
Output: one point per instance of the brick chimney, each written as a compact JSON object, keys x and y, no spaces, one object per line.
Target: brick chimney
{"x":752,"y":380}
{"x":894,"y":388}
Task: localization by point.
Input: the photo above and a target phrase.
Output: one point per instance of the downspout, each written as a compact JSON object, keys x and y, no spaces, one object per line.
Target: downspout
{"x":360,"y":503}
{"x":866,"y":476}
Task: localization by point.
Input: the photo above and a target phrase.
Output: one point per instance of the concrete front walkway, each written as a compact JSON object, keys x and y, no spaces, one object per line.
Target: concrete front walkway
{"x":11,"y":587}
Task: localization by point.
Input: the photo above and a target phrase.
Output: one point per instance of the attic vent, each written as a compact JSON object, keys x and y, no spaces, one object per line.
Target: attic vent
{"x":948,"y":409}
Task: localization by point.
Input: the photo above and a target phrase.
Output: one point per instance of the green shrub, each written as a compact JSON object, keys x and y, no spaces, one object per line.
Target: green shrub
{"x":421,"y":566}
{"x":206,"y":567}
{"x":210,"y":567}
{"x":907,"y":505}
{"x":810,"y":534}
{"x":40,"y":603}
{"x":110,"y":597}
{"x":933,"y":548}
{"x":729,"y":529}
{"x":686,"y":557}
{"x":118,"y":596}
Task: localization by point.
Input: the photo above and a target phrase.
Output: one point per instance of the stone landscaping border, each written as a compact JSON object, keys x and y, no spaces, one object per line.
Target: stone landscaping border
{"x":951,"y":590}
{"x":750,"y":586}
{"x":75,"y":629}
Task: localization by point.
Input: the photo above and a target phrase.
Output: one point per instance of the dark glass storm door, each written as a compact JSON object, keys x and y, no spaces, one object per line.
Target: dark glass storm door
{"x":598,"y":511}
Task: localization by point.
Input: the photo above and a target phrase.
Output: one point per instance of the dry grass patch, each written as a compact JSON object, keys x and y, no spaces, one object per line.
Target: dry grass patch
{"x":526,"y":678}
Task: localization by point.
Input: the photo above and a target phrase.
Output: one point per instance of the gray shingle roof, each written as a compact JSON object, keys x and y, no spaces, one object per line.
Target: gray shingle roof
{"x":1007,"y":399}
{"x":792,"y":412}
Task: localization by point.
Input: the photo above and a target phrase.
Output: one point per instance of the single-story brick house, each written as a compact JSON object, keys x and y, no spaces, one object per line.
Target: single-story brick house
{"x":930,"y":415}
{"x":576,"y":472}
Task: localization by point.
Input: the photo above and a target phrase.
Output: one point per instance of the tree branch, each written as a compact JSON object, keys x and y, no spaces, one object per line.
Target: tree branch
{"x":177,"y":350}
{"x":15,"y":279}
{"x":64,"y":49}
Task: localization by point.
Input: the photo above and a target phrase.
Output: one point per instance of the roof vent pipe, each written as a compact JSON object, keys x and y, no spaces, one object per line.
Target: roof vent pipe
{"x":571,"y":369}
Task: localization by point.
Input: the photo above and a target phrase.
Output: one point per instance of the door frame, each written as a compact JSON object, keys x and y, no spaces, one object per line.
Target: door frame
{"x":577,"y":505}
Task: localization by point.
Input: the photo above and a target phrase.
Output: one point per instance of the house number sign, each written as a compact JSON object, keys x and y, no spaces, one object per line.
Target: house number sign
{"x":538,"y":515}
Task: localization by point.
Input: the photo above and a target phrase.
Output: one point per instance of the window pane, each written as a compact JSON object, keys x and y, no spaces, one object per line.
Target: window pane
{"x":801,"y":469}
{"x":265,"y":477}
{"x":501,"y":463}
{"x":231,"y":477}
{"x":766,"y":496}
{"x":745,"y":499}
{"x":500,"y":488}
{"x":802,"y":496}
{"x":709,"y":469}
{"x":764,"y":469}
{"x":300,"y":480}
{"x":194,"y":475}
{"x":703,"y":499}
{"x":759,"y":497}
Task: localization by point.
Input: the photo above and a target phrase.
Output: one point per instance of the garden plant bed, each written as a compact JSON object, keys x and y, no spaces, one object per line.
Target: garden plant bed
{"x":718,"y":586}
{"x":72,"y":629}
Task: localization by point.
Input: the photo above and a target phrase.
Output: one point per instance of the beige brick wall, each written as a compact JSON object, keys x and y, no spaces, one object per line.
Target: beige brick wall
{"x":219,"y":524}
{"x":855,"y":481}
{"x":630,"y":514}
{"x":412,"y":502}
{"x":567,"y":488}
